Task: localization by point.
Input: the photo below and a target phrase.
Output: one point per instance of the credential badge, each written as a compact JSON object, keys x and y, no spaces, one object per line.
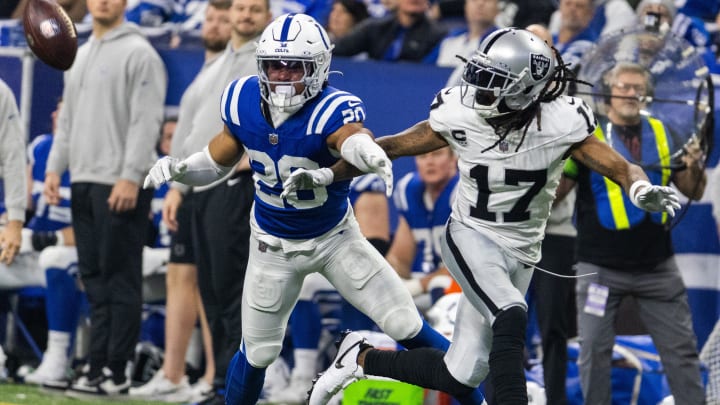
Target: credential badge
{"x":273,"y":138}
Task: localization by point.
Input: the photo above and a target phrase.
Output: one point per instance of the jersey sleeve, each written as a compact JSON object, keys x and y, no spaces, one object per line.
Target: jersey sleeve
{"x":334,"y":111}
{"x":437,"y":118}
{"x":581,"y":121}
{"x":229,"y":102}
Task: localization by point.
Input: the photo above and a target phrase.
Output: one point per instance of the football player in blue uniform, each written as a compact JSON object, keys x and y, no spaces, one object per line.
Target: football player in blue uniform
{"x":288,"y":118}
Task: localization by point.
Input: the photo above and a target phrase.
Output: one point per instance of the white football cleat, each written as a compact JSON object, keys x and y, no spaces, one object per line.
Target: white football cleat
{"x":51,"y":369}
{"x":343,"y":371}
{"x":160,"y":388}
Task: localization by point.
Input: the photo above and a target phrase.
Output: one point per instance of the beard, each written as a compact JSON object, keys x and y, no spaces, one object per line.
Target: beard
{"x":214,"y":44}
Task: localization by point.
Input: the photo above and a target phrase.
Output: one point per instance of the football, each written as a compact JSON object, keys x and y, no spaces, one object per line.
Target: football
{"x":50,"y":33}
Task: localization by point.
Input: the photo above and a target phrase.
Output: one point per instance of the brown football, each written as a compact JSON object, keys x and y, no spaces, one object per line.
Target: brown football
{"x":50,"y":33}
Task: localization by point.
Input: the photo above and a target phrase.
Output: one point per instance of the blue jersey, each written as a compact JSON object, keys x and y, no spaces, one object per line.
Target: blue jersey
{"x":368,"y":183}
{"x":47,"y":217}
{"x":426,"y":221}
{"x":163,"y":233}
{"x":300,"y":142}
{"x":149,"y":13}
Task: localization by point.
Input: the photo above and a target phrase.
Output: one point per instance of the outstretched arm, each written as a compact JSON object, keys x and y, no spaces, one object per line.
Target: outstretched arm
{"x":603,"y":159}
{"x":416,"y":140}
{"x":200,"y":168}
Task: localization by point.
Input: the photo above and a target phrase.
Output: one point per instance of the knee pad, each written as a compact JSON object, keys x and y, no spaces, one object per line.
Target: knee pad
{"x":401,"y":323}
{"x":59,"y":257}
{"x":262,"y":355}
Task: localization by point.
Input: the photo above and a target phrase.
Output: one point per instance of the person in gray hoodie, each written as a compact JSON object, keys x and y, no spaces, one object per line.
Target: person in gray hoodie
{"x":107,"y":131}
{"x":12,"y":170}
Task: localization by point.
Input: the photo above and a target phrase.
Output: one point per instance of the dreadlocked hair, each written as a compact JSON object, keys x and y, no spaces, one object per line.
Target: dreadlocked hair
{"x":554,"y":88}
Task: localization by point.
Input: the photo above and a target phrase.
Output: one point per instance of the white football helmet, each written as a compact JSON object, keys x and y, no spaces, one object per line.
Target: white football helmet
{"x":293,"y":40}
{"x":512,"y":66}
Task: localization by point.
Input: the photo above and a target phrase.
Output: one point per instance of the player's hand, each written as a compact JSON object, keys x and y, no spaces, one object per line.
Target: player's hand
{"x":303,"y":179}
{"x":171,"y":204}
{"x":656,"y":198}
{"x":381,"y":165}
{"x":51,"y":189}
{"x":166,"y":169}
{"x":123,"y":196}
{"x":10,"y":241}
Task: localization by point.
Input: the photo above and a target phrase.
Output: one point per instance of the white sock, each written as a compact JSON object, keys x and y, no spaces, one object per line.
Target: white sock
{"x":305,"y":363}
{"x":57,"y":345}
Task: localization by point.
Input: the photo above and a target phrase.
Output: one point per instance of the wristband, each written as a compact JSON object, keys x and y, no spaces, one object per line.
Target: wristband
{"x":634,"y":189}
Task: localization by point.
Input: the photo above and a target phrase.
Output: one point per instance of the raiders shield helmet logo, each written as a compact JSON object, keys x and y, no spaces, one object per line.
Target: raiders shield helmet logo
{"x":539,"y":66}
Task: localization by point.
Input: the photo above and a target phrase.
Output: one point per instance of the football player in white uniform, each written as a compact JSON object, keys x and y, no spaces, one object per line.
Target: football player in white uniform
{"x":288,"y":118}
{"x":512,"y":129}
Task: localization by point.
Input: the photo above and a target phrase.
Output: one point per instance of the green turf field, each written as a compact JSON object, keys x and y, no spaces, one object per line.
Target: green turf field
{"x":17,"y":394}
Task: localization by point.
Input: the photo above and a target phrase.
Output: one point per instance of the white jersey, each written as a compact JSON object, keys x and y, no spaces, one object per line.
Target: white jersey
{"x":504,"y":193}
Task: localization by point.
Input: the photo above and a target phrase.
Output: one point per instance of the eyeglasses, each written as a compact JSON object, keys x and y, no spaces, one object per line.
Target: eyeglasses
{"x":625,"y":87}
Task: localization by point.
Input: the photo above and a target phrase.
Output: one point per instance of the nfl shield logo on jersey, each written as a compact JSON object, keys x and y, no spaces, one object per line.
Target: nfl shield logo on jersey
{"x":540,"y":65}
{"x":273,"y":138}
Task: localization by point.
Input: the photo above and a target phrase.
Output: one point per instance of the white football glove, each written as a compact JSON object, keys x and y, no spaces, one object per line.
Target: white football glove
{"x":654,"y":198}
{"x":303,"y":179}
{"x":166,"y":169}
{"x":379,"y":164}
{"x":361,"y":151}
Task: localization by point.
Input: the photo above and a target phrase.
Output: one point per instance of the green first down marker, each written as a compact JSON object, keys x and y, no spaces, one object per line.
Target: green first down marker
{"x":382,"y":392}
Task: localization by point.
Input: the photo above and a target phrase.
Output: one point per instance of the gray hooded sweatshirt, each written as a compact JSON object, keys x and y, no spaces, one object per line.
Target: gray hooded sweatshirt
{"x":113,"y":105}
{"x":12,"y":155}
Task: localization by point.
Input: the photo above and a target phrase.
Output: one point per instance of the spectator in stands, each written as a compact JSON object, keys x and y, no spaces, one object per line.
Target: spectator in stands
{"x":520,"y":13}
{"x":661,"y":15}
{"x":182,"y":311}
{"x":608,"y":16}
{"x":344,"y":16}
{"x":706,"y":10}
{"x":625,"y":251}
{"x":552,"y":296}
{"x":107,"y":131}
{"x":423,"y":199}
{"x":480,"y":21}
{"x":575,"y":35}
{"x":407,"y":35}
{"x":220,"y":212}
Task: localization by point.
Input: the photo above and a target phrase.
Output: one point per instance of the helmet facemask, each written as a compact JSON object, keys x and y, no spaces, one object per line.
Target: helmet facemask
{"x":491,"y":90}
{"x":283,"y":94}
{"x":507,"y":73}
{"x":297,"y":43}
